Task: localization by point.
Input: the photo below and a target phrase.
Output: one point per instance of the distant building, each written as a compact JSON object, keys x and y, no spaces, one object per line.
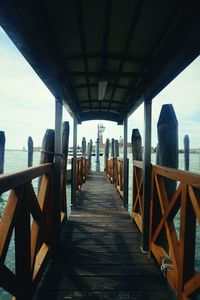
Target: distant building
{"x":37,"y":149}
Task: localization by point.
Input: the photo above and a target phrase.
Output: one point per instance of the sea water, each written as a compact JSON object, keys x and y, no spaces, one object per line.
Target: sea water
{"x":17,"y":160}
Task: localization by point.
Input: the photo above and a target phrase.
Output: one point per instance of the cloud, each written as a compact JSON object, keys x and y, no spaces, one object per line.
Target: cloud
{"x":184,"y":94}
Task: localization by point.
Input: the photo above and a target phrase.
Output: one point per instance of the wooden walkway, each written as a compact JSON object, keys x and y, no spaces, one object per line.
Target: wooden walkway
{"x":100,"y":256}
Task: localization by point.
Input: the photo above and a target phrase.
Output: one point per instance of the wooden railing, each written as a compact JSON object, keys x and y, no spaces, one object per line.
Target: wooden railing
{"x":137,"y":193}
{"x":30,"y":217}
{"x":119,"y":183}
{"x":81,"y":171}
{"x":114,"y":171}
{"x":174,"y":225}
{"x":110,"y":169}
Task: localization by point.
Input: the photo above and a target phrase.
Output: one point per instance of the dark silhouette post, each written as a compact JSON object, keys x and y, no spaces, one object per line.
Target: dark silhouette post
{"x":30,"y":151}
{"x":106,"y":154}
{"x":187,"y":152}
{"x":136,"y":142}
{"x":2,"y":150}
{"x":168,"y":142}
{"x":83,"y":147}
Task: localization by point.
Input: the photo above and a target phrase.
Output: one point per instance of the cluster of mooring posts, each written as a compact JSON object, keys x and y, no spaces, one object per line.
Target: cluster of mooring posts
{"x":156,"y":202}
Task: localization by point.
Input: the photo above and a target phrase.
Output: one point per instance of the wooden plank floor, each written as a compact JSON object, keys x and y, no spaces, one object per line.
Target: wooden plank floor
{"x":100,"y":256}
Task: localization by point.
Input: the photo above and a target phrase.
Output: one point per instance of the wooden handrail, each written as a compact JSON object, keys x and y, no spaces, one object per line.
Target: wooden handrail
{"x":33,"y":240}
{"x":114,"y":171}
{"x":173,"y":248}
{"x":10,"y":181}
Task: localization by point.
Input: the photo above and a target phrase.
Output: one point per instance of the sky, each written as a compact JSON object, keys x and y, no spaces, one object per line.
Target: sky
{"x":27,"y":106}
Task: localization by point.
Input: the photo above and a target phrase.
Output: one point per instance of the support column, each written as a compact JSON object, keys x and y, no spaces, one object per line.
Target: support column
{"x":147,"y":175}
{"x":58,"y":165}
{"x":74,"y":175}
{"x":125,"y":169}
{"x":97,"y":145}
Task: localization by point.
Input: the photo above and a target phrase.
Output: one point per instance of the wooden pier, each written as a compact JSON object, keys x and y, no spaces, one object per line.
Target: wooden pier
{"x":101,"y":60}
{"x":100,"y":256}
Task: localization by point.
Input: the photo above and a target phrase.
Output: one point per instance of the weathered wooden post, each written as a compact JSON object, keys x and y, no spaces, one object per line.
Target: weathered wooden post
{"x":89,"y":153}
{"x":106,"y":155}
{"x":157,"y":154}
{"x":136,"y":142}
{"x":2,"y":150}
{"x":168,"y":142}
{"x":30,"y":151}
{"x":47,"y":152}
{"x":116,"y":148}
{"x":65,"y":144}
{"x":112,"y":147}
{"x":65,"y":138}
{"x":47,"y":156}
{"x":83,"y":147}
{"x":187,"y":152}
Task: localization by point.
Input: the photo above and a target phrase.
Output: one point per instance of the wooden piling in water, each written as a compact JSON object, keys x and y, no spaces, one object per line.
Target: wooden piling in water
{"x":168,"y":137}
{"x":112,"y":147}
{"x":106,"y":154}
{"x":167,"y":127}
{"x":168,"y":142}
{"x":186,"y":142}
{"x":65,"y":139}
{"x":47,"y":152}
{"x":136,"y":142}
{"x":2,"y":150}
{"x":30,"y":151}
{"x":157,"y":154}
{"x":84,"y":147}
{"x":116,"y":148}
{"x":89,"y":153}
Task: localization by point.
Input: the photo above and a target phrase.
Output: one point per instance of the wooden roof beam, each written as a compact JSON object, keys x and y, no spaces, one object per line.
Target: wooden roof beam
{"x":127,"y":44}
{"x":83,"y":46}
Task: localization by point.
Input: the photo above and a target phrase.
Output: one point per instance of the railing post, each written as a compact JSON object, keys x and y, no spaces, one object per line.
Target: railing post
{"x":58,"y":165}
{"x":186,"y":255}
{"x":125,"y":165}
{"x":22,"y":247}
{"x":97,"y":145}
{"x":74,"y":162}
{"x":65,"y":143}
{"x":147,"y":176}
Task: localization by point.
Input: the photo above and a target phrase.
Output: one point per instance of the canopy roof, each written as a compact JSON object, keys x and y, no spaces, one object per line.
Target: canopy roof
{"x":136,"y":46}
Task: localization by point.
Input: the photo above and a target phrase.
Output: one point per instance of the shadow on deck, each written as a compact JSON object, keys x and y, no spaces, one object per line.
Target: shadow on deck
{"x":100,"y":256}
